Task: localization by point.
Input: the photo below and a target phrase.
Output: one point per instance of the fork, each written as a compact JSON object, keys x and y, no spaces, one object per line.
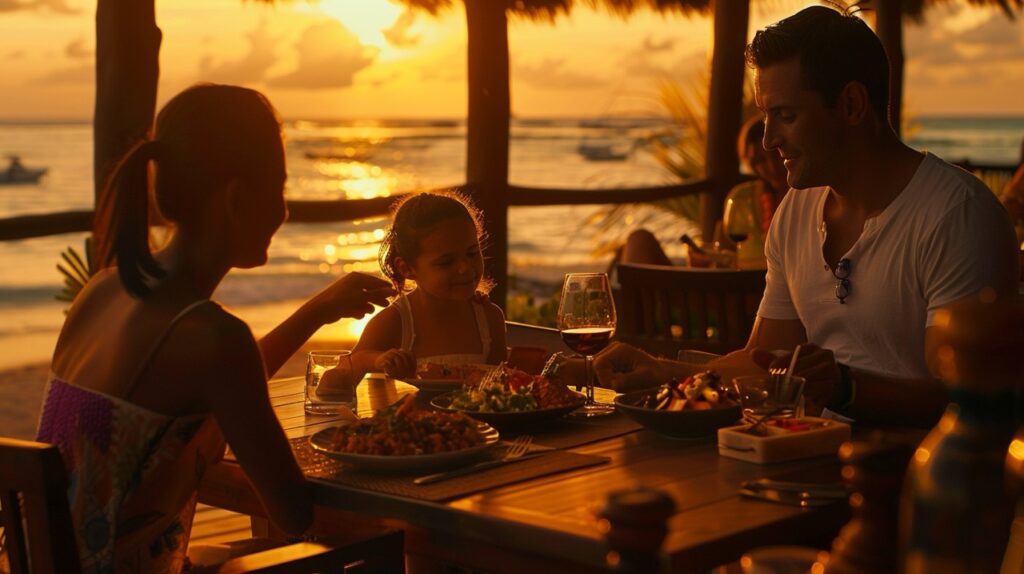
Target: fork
{"x":515,"y":451}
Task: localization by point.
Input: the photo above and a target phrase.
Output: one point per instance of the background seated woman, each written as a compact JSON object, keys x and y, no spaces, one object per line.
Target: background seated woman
{"x":759,"y":197}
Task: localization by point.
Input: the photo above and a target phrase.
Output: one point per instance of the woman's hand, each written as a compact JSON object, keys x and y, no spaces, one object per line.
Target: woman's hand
{"x":396,"y":363}
{"x":354,"y":295}
{"x":622,"y":367}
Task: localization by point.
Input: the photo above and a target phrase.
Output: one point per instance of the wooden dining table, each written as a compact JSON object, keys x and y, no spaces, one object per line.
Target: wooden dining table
{"x":550,"y":523}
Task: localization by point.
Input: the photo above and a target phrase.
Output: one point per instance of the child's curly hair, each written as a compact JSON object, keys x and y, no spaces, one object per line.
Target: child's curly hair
{"x":416,"y":216}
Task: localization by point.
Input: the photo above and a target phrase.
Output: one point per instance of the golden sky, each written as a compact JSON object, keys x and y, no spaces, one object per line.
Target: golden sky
{"x":373,"y":59}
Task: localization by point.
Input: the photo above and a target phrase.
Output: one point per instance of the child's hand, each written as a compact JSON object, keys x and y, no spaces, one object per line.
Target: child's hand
{"x":354,"y":295}
{"x":396,"y":363}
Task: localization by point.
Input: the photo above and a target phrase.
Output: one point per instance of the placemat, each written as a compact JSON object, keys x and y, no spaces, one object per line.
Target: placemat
{"x":322,"y":468}
{"x":571,"y":432}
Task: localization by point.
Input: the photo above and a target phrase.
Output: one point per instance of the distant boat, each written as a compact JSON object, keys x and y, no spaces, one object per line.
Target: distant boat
{"x":600,"y":151}
{"x":16,"y":173}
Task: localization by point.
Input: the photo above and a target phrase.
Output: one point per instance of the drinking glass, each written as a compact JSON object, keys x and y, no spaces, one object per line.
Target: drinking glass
{"x":320,"y":401}
{"x":738,"y":222}
{"x":586,"y":320}
{"x":774,"y":395}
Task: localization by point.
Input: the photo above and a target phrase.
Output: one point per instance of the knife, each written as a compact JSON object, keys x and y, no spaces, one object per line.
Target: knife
{"x":837,"y":490}
{"x":487,"y":464}
{"x":802,"y":499}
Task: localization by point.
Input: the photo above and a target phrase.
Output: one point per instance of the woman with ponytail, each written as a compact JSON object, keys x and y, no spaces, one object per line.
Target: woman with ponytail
{"x":149,"y":375}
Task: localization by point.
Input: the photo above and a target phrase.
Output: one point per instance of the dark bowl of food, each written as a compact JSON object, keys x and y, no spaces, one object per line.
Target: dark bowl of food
{"x":691,"y":409}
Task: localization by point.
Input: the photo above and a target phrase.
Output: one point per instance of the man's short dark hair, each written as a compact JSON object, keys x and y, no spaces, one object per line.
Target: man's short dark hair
{"x":834,"y":49}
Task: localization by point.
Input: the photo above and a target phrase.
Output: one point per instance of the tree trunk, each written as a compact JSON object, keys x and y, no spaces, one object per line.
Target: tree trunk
{"x":725,"y":105}
{"x":889,"y":27}
{"x":487,"y":130}
{"x":127,"y":70}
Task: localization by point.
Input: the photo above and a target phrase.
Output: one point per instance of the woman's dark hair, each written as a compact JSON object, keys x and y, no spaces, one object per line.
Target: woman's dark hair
{"x":834,"y":49}
{"x":206,"y":137}
{"x":416,"y":216}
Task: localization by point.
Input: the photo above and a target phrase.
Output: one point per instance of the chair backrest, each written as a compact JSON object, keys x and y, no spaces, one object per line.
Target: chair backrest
{"x":525,"y":335}
{"x":39,"y":537}
{"x":664,"y":309}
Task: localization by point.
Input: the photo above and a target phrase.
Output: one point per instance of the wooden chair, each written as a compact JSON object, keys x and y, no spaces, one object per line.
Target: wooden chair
{"x":39,"y":536}
{"x":525,"y":335}
{"x":664,"y":309}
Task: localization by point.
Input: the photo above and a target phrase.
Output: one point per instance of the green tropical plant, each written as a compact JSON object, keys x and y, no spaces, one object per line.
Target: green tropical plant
{"x":679,"y":149}
{"x":77,"y":272}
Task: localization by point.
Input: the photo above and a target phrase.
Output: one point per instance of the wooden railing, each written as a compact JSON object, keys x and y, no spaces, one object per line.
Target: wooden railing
{"x":327,"y":211}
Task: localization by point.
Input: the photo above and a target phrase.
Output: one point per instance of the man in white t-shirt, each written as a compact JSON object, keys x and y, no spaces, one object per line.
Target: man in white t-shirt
{"x":873,"y":239}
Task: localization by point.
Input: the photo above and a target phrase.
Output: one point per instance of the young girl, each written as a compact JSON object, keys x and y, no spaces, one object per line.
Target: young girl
{"x":149,"y":375}
{"x":433,"y":243}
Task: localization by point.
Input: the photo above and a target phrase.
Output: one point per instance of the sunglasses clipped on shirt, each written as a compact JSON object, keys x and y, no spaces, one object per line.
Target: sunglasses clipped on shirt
{"x":842,"y":275}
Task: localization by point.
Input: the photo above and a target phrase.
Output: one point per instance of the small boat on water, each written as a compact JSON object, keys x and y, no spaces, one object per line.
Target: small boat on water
{"x":16,"y":173}
{"x":600,"y":151}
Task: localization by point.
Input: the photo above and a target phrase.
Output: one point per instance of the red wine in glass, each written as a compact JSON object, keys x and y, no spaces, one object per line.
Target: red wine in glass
{"x":588,"y":340}
{"x":738,"y":238}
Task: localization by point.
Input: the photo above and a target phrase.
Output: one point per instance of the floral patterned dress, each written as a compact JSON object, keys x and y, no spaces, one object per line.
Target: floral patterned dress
{"x":133,"y":473}
{"x":133,"y":477}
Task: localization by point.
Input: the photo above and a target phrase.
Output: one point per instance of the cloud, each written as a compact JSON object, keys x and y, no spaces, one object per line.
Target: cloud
{"x":76,"y":50}
{"x":551,"y":74}
{"x":983,"y":57}
{"x":398,"y":34}
{"x":448,"y":66}
{"x":79,"y":74}
{"x":329,"y":57}
{"x":251,"y":68}
{"x":16,"y":55}
{"x":58,"y":6}
{"x":650,"y":45}
{"x":383,"y":80}
{"x":996,"y":31}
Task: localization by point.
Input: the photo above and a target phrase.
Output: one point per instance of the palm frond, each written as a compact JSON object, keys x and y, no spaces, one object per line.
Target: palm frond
{"x":76,"y":272}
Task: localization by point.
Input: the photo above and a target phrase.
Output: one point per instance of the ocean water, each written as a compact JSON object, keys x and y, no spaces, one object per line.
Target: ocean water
{"x":368,"y":159}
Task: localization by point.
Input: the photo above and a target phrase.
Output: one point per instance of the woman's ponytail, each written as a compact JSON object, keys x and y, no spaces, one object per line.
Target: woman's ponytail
{"x":122,"y":220}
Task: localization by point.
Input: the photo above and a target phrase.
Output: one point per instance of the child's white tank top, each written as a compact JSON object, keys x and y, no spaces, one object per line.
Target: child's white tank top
{"x":409,"y":336}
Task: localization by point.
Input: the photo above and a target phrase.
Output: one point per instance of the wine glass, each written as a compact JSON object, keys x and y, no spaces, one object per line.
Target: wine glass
{"x":586,"y":320}
{"x":738,"y":222}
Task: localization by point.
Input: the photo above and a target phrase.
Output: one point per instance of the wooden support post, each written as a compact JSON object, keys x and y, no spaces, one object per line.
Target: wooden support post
{"x":127,"y":70}
{"x":725,"y":105}
{"x":889,"y":28}
{"x":487,"y":131}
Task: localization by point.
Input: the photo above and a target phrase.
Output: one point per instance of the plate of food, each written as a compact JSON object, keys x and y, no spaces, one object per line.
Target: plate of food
{"x":403,"y":438}
{"x":695,"y":407}
{"x":508,"y":398}
{"x":444,"y":378}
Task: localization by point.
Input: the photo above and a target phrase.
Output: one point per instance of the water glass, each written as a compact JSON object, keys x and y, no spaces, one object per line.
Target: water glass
{"x":329,"y":401}
{"x":774,"y":395}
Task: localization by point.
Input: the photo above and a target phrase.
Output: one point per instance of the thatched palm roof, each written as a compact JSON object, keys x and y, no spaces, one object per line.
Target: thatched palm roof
{"x":549,"y":9}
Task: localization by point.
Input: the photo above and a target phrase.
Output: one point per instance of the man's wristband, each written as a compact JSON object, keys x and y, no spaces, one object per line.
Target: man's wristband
{"x":845,"y":392}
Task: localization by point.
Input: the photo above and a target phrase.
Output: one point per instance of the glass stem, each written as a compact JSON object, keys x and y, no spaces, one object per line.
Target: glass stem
{"x":588,"y":361}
